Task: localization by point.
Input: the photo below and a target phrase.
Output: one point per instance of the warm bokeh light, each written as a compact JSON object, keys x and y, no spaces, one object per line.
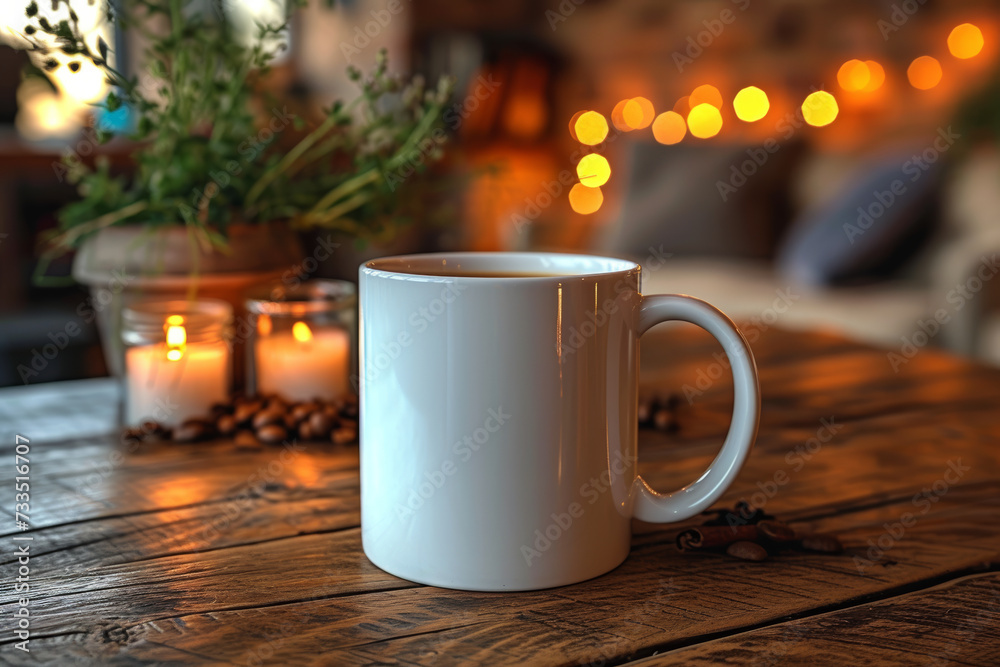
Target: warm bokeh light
{"x":301,"y":332}
{"x":704,"y":121}
{"x":593,"y":170}
{"x":853,"y":75}
{"x":638,"y":113}
{"x":820,"y":108}
{"x":572,"y":124}
{"x":683,"y":105}
{"x":924,"y":73}
{"x":591,"y":128}
{"x":669,"y":128}
{"x":876,"y":76}
{"x":618,"y":117}
{"x":706,"y":94}
{"x":264,"y":325}
{"x":751,"y":104}
{"x":585,"y":200}
{"x":965,"y":41}
{"x":43,"y":114}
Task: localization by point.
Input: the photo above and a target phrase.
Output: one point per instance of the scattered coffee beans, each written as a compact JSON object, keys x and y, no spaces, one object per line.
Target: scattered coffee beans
{"x":267,"y":419}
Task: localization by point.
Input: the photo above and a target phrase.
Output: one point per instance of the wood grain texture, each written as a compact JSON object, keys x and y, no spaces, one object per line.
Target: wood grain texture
{"x":210,"y":553}
{"x":954,"y":623}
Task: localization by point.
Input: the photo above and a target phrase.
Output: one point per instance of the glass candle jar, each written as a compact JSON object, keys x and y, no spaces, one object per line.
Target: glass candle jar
{"x":302,"y":340}
{"x":178,"y":359}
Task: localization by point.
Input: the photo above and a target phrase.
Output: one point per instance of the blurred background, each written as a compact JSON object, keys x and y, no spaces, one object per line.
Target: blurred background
{"x":798,"y":163}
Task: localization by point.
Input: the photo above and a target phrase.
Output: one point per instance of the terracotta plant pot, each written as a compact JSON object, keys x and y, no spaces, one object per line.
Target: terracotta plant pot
{"x":123,"y":264}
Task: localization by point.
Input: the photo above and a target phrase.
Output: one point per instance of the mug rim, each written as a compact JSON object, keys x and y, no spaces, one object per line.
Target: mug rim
{"x":391,"y":266}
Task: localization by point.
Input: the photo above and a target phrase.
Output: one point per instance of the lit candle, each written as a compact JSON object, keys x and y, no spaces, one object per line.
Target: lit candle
{"x":175,"y":380}
{"x":302,"y":363}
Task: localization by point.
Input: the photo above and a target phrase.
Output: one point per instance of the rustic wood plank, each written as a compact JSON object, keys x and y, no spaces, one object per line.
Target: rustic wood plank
{"x":957,"y":622}
{"x":125,"y":570}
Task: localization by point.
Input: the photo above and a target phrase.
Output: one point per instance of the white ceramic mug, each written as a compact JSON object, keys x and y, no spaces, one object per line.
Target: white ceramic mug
{"x":498,"y":416}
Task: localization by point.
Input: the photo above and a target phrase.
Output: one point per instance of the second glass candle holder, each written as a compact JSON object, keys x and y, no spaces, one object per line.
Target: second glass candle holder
{"x":302,"y":340}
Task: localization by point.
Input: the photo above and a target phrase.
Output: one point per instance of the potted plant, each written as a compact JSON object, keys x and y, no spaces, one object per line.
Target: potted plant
{"x":225,"y":175}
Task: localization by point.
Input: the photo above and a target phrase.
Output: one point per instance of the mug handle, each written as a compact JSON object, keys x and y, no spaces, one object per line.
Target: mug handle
{"x":656,"y":507}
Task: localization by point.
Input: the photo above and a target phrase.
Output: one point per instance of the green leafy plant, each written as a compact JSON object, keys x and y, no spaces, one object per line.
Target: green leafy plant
{"x":213,"y":148}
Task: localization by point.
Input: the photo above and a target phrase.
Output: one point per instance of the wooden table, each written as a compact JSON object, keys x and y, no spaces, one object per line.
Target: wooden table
{"x":181,"y":554}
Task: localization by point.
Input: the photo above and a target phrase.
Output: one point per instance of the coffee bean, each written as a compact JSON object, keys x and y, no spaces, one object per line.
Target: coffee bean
{"x":321,"y":423}
{"x":305,"y":430}
{"x":822,"y":542}
{"x":747,"y":551}
{"x":245,"y":438}
{"x":193,"y":430}
{"x":349,"y":410}
{"x":245,"y":411}
{"x":267,"y":417}
{"x":302,"y":411}
{"x":219,"y":409}
{"x":153,"y":428}
{"x":776,"y":531}
{"x":132,"y":435}
{"x":663,"y":419}
{"x":272,"y":433}
{"x":646,"y":409}
{"x":226,"y":424}
{"x":343,"y":435}
{"x":276,"y":403}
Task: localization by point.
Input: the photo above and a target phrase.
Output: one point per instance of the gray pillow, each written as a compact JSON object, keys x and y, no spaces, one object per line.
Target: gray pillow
{"x":878,"y":219}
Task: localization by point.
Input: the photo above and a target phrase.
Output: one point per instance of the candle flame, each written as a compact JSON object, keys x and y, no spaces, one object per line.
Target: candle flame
{"x":301,"y":332}
{"x":264,"y":325}
{"x":176,"y":337}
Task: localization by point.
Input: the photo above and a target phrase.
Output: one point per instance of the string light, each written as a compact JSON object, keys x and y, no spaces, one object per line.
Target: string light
{"x":585,"y":200}
{"x":591,"y":128}
{"x":853,"y":76}
{"x":593,"y":170}
{"x":751,"y":104}
{"x":706,"y":94}
{"x":618,"y":117}
{"x":704,"y":121}
{"x":924,"y":73}
{"x":876,"y":76}
{"x":638,"y":113}
{"x":820,"y":108}
{"x":965,"y":41}
{"x":669,"y":128}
